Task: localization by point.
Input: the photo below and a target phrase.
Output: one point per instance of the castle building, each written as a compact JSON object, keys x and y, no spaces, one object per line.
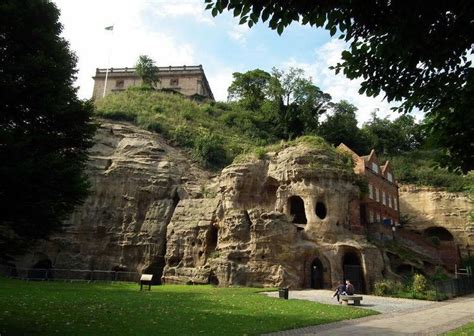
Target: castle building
{"x":190,"y":81}
{"x":381,"y":203}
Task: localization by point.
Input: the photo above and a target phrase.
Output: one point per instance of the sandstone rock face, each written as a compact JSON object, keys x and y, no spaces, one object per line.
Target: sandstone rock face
{"x":136,"y":182}
{"x":282,"y":221}
{"x":427,"y":208}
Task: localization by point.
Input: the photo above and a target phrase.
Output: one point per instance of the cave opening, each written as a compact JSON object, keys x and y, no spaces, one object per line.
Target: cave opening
{"x":296,"y":209}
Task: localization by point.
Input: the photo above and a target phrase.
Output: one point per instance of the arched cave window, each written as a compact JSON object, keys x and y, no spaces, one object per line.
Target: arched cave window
{"x":321,"y":210}
{"x":439,"y":232}
{"x":296,"y":206}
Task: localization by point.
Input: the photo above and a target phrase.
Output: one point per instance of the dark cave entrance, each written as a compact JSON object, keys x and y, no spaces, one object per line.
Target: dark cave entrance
{"x":353,"y":271}
{"x":296,"y":209}
{"x":317,"y":281}
{"x":439,"y":232}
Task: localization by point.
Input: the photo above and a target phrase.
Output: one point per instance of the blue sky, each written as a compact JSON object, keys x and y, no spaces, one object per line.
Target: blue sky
{"x":182,"y":32}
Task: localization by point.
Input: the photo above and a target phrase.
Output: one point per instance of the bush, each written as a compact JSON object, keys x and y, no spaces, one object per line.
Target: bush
{"x":387,"y":287}
{"x":419,"y":284}
{"x":209,"y":151}
{"x":183,"y":136}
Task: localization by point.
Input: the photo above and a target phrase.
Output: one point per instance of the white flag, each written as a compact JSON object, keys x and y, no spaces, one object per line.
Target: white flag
{"x":109,"y":28}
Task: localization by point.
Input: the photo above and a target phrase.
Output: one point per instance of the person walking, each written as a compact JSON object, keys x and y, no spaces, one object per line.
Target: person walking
{"x":340,"y":290}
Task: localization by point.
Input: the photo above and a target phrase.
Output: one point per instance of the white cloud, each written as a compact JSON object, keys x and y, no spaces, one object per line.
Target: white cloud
{"x":340,"y":87}
{"x":84,"y":24}
{"x":239,"y":33}
{"x":193,"y":9}
{"x":219,"y":81}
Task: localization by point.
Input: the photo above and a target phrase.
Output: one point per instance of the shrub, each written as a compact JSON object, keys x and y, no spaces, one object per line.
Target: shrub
{"x":209,"y":151}
{"x":419,"y":284}
{"x":387,"y":287}
{"x":183,"y":136}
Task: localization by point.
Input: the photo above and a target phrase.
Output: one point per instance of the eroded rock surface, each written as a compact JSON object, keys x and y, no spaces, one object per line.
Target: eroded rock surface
{"x":265,"y":227}
{"x":136,"y":182}
{"x":430,"y":208}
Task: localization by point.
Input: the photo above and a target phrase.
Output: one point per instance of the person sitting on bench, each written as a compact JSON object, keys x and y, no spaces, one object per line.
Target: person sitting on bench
{"x":349,"y":288}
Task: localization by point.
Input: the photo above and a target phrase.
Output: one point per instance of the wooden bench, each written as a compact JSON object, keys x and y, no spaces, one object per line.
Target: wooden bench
{"x":354,"y":298}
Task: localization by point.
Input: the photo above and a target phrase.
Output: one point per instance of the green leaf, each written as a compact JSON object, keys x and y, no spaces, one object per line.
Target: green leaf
{"x":243,"y":19}
{"x":215,"y":11}
{"x":209,"y":6}
{"x":280,"y":28}
{"x":265,"y":14}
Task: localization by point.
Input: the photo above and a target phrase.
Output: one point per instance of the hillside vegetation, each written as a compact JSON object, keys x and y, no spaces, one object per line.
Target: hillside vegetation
{"x":216,"y":133}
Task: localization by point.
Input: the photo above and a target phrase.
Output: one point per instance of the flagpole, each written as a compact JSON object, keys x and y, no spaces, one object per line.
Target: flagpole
{"x":108,"y":60}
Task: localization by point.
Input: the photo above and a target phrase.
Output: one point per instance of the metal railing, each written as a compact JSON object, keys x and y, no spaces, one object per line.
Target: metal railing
{"x":68,"y":274}
{"x":158,"y":69}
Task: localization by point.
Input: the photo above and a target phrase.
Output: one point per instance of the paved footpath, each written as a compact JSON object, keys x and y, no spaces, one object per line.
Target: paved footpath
{"x":405,"y":318}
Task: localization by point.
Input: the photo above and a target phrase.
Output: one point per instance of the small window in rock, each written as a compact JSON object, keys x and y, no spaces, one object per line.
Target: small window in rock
{"x":297,"y":212}
{"x":174,"y":81}
{"x":119,"y":84}
{"x":321,"y":210}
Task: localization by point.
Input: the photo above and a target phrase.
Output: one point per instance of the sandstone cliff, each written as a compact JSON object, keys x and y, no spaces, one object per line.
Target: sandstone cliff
{"x":136,"y":182}
{"x":428,"y":207}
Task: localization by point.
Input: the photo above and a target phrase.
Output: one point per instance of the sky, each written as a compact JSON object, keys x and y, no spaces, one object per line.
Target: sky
{"x":182,"y":32}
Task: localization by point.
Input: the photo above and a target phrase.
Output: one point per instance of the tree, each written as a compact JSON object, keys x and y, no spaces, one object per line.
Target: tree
{"x":394,"y":137}
{"x":341,"y":127}
{"x":250,"y":88}
{"x":146,"y":69}
{"x":45,"y":130}
{"x":415,"y":53}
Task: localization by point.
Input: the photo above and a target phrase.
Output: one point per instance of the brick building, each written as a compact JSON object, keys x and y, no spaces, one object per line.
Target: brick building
{"x":381,"y":203}
{"x":188,"y":80}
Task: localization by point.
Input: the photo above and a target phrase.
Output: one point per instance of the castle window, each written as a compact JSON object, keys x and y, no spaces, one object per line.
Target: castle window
{"x":378,"y":218}
{"x":371,"y":192}
{"x":390,"y":201}
{"x":395,"y":203}
{"x":377,"y":195}
{"x":375,"y":167}
{"x":174,"y":81}
{"x":119,"y":84}
{"x":384,"y":200}
{"x":389,"y":177}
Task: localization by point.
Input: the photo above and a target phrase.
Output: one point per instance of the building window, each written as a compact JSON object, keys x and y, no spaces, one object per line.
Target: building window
{"x":390,"y":201}
{"x":395,"y":203}
{"x":377,"y":196}
{"x":384,"y":200}
{"x":371,"y":193}
{"x":371,"y":216}
{"x":119,"y":84}
{"x":389,"y":177}
{"x":375,"y":167}
{"x":378,"y":218}
{"x":174,"y":81}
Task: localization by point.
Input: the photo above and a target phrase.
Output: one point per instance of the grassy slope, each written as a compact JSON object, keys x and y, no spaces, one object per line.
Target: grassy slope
{"x":232,"y":131}
{"x":49,"y":308}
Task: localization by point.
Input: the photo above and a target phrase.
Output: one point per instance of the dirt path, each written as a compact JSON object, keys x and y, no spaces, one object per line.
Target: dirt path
{"x":432,"y":318}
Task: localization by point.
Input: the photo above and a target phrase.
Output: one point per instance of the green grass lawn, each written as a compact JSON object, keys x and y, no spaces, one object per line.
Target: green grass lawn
{"x":465,"y":330}
{"x":49,"y":308}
